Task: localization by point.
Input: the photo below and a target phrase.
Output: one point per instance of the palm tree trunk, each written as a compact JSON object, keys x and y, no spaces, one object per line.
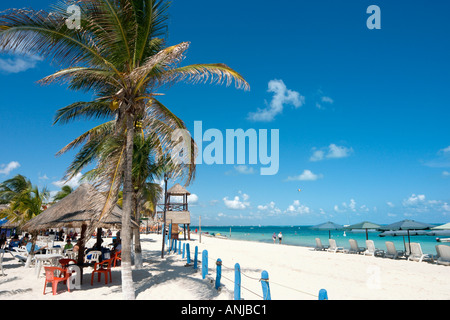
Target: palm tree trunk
{"x":137,"y":236}
{"x":127,"y":277}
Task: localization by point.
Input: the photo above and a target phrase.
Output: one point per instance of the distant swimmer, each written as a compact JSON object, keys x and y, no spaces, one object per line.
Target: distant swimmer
{"x":299,"y":190}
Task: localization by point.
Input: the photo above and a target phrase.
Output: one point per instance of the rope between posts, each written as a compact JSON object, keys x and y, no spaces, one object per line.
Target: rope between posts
{"x":259,"y":279}
{"x":256,"y":294}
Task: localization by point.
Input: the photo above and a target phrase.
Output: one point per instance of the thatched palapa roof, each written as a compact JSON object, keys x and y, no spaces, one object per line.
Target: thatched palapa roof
{"x":177,"y":190}
{"x":74,"y":210}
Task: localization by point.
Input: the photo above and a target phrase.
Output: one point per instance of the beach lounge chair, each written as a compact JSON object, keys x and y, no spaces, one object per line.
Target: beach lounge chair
{"x":20,"y":253}
{"x":334,"y":248}
{"x":371,"y":250}
{"x":443,"y":252}
{"x":319,"y":246}
{"x":354,"y":247}
{"x":391,"y":252}
{"x":417,"y":254}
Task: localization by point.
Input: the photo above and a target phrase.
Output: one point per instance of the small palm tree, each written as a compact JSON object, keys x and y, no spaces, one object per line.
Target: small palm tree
{"x":65,"y":191}
{"x":25,"y":200}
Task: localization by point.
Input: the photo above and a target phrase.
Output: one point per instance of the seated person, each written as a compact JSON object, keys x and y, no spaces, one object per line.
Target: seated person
{"x":68,"y":245}
{"x":37,"y":249}
{"x":14,"y":243}
{"x":24,"y":240}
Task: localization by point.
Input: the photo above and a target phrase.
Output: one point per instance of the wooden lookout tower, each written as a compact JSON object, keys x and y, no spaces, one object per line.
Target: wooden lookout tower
{"x":177,"y":210}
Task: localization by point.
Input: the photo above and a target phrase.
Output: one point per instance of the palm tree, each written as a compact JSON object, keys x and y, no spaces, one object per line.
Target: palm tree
{"x":65,"y":191}
{"x":120,"y":53}
{"x":145,"y":169}
{"x":25,"y":200}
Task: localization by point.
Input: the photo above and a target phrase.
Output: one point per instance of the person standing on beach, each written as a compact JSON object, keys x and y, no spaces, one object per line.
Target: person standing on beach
{"x":274,"y":237}
{"x":280,"y":237}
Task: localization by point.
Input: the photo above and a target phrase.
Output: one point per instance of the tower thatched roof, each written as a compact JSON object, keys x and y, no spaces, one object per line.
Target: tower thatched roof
{"x":177,"y":190}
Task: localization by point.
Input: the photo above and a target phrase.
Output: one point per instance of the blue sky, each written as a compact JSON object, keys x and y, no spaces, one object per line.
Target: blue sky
{"x":362,"y":114}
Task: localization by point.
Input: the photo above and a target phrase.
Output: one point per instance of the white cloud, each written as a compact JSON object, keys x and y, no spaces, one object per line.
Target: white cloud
{"x":44,"y":177}
{"x":73,"y":183}
{"x":192,"y":198}
{"x":324,"y":100}
{"x":18,"y":64}
{"x":306,"y":175}
{"x":446,"y":174}
{"x":6,"y":169}
{"x":297,"y":208}
{"x":338,"y":152}
{"x":270,"y":208}
{"x":318,"y":155}
{"x":243,"y":169}
{"x":236,"y":203}
{"x":445,"y":150}
{"x":390,"y":204}
{"x":333,"y":151}
{"x":414,"y":200}
{"x":281,"y":96}
{"x":351,"y":206}
{"x":442,"y":160}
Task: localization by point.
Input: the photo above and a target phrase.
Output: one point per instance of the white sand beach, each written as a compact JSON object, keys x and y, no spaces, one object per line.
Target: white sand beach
{"x":295,"y":273}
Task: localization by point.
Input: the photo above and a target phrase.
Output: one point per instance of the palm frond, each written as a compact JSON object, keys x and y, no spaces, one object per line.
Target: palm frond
{"x":218,"y":73}
{"x":83,"y":110}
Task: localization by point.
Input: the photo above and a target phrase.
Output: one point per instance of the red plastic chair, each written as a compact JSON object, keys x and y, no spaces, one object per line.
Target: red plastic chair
{"x":103,"y":267}
{"x":117,"y":256}
{"x":50,"y":277}
{"x":65,"y":262}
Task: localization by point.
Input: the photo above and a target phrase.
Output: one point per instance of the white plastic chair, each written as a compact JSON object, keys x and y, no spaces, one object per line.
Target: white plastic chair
{"x":319,"y":246}
{"x":371,"y":250}
{"x":443,"y":253}
{"x":334,"y":248}
{"x":417,"y":254}
{"x":391,"y":252}
{"x":354,"y":247}
{"x":92,"y":256}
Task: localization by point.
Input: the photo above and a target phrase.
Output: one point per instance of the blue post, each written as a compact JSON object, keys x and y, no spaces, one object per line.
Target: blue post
{"x":195,"y":257}
{"x":265,"y":285}
{"x":204,"y":263}
{"x":171,"y":245}
{"x":188,"y":253}
{"x":218,"y":272}
{"x":237,"y":282}
{"x":184,"y":249}
{"x":179,"y":247}
{"x":175,"y":245}
{"x":323,"y":295}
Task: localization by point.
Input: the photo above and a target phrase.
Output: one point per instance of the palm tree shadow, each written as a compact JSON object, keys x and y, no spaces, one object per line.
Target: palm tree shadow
{"x":171,"y":269}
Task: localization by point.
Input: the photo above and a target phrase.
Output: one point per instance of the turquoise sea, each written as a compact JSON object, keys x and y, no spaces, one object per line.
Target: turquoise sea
{"x":305,"y":236}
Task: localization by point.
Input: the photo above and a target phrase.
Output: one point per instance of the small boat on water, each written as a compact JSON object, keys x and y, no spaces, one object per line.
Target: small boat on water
{"x":443,"y":240}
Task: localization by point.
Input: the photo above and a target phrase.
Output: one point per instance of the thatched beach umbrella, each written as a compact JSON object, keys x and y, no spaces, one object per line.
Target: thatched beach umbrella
{"x":76,"y":210}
